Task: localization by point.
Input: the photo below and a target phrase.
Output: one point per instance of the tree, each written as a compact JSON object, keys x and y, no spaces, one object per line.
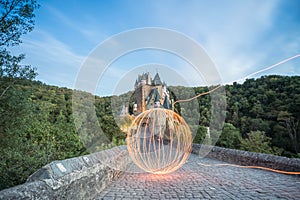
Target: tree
{"x":200,"y":135}
{"x":257,"y":141}
{"x":230,"y":137}
{"x":16,"y":19}
{"x":291,"y":124}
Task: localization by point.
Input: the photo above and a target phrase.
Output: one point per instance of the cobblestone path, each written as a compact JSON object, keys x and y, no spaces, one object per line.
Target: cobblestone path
{"x":194,"y":181}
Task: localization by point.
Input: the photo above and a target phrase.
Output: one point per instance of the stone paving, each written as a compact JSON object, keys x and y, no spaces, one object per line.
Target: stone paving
{"x":195,"y":181}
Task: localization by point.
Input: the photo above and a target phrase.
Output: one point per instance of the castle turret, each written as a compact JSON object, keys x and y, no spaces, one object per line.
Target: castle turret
{"x":149,"y":79}
{"x":149,"y":93}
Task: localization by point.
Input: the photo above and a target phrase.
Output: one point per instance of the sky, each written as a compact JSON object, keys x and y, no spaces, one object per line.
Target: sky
{"x":240,"y":37}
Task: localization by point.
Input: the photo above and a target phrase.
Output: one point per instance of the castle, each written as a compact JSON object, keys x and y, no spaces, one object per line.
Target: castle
{"x":150,"y":93}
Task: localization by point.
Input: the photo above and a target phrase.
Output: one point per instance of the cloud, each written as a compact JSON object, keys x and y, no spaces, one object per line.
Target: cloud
{"x":233,"y":47}
{"x":238,"y":35}
{"x":55,"y":61}
{"x":88,"y":26}
{"x":53,"y":49}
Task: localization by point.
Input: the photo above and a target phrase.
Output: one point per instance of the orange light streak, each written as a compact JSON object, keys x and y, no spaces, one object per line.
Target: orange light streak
{"x":252,"y":167}
{"x":197,"y":96}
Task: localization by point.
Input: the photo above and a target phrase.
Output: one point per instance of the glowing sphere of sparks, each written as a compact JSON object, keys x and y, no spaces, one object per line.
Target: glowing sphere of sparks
{"x":159,"y":141}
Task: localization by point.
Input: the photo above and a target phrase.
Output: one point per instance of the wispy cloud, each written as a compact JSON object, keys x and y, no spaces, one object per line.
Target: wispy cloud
{"x":239,"y":36}
{"x":56,"y":62}
{"x":88,"y":27}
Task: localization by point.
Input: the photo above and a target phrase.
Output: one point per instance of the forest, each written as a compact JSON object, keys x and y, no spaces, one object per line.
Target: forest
{"x":262,"y":115}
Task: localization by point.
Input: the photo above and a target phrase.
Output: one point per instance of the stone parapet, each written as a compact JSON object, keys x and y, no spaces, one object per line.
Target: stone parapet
{"x":247,"y":158}
{"x":75,"y":178}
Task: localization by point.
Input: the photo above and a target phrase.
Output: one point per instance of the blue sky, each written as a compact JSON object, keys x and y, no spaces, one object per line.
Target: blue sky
{"x":241,"y":37}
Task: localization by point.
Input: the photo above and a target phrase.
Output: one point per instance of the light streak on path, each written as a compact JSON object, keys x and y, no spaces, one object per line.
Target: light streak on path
{"x":250,"y":167}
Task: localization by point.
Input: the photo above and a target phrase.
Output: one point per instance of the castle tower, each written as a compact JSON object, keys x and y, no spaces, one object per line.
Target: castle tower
{"x":149,"y":93}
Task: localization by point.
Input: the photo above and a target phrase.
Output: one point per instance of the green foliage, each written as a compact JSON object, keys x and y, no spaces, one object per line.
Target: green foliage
{"x":291,"y":125}
{"x":230,"y":137}
{"x":200,"y":135}
{"x":16,"y":151}
{"x":270,"y":104}
{"x":33,"y":132}
{"x":115,"y":142}
{"x":17,"y":18}
{"x":257,"y":141}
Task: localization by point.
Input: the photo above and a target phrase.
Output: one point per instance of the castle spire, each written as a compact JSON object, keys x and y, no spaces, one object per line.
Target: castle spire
{"x":156,"y":80}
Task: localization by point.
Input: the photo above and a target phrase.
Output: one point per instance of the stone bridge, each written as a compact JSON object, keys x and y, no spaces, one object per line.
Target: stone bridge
{"x":100,"y":176}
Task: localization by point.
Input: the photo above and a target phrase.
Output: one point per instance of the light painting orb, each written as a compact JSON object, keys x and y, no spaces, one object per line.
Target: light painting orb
{"x":159,"y":141}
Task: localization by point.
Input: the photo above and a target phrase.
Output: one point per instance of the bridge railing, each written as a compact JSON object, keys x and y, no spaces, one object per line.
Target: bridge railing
{"x":247,"y":158}
{"x":75,"y":178}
